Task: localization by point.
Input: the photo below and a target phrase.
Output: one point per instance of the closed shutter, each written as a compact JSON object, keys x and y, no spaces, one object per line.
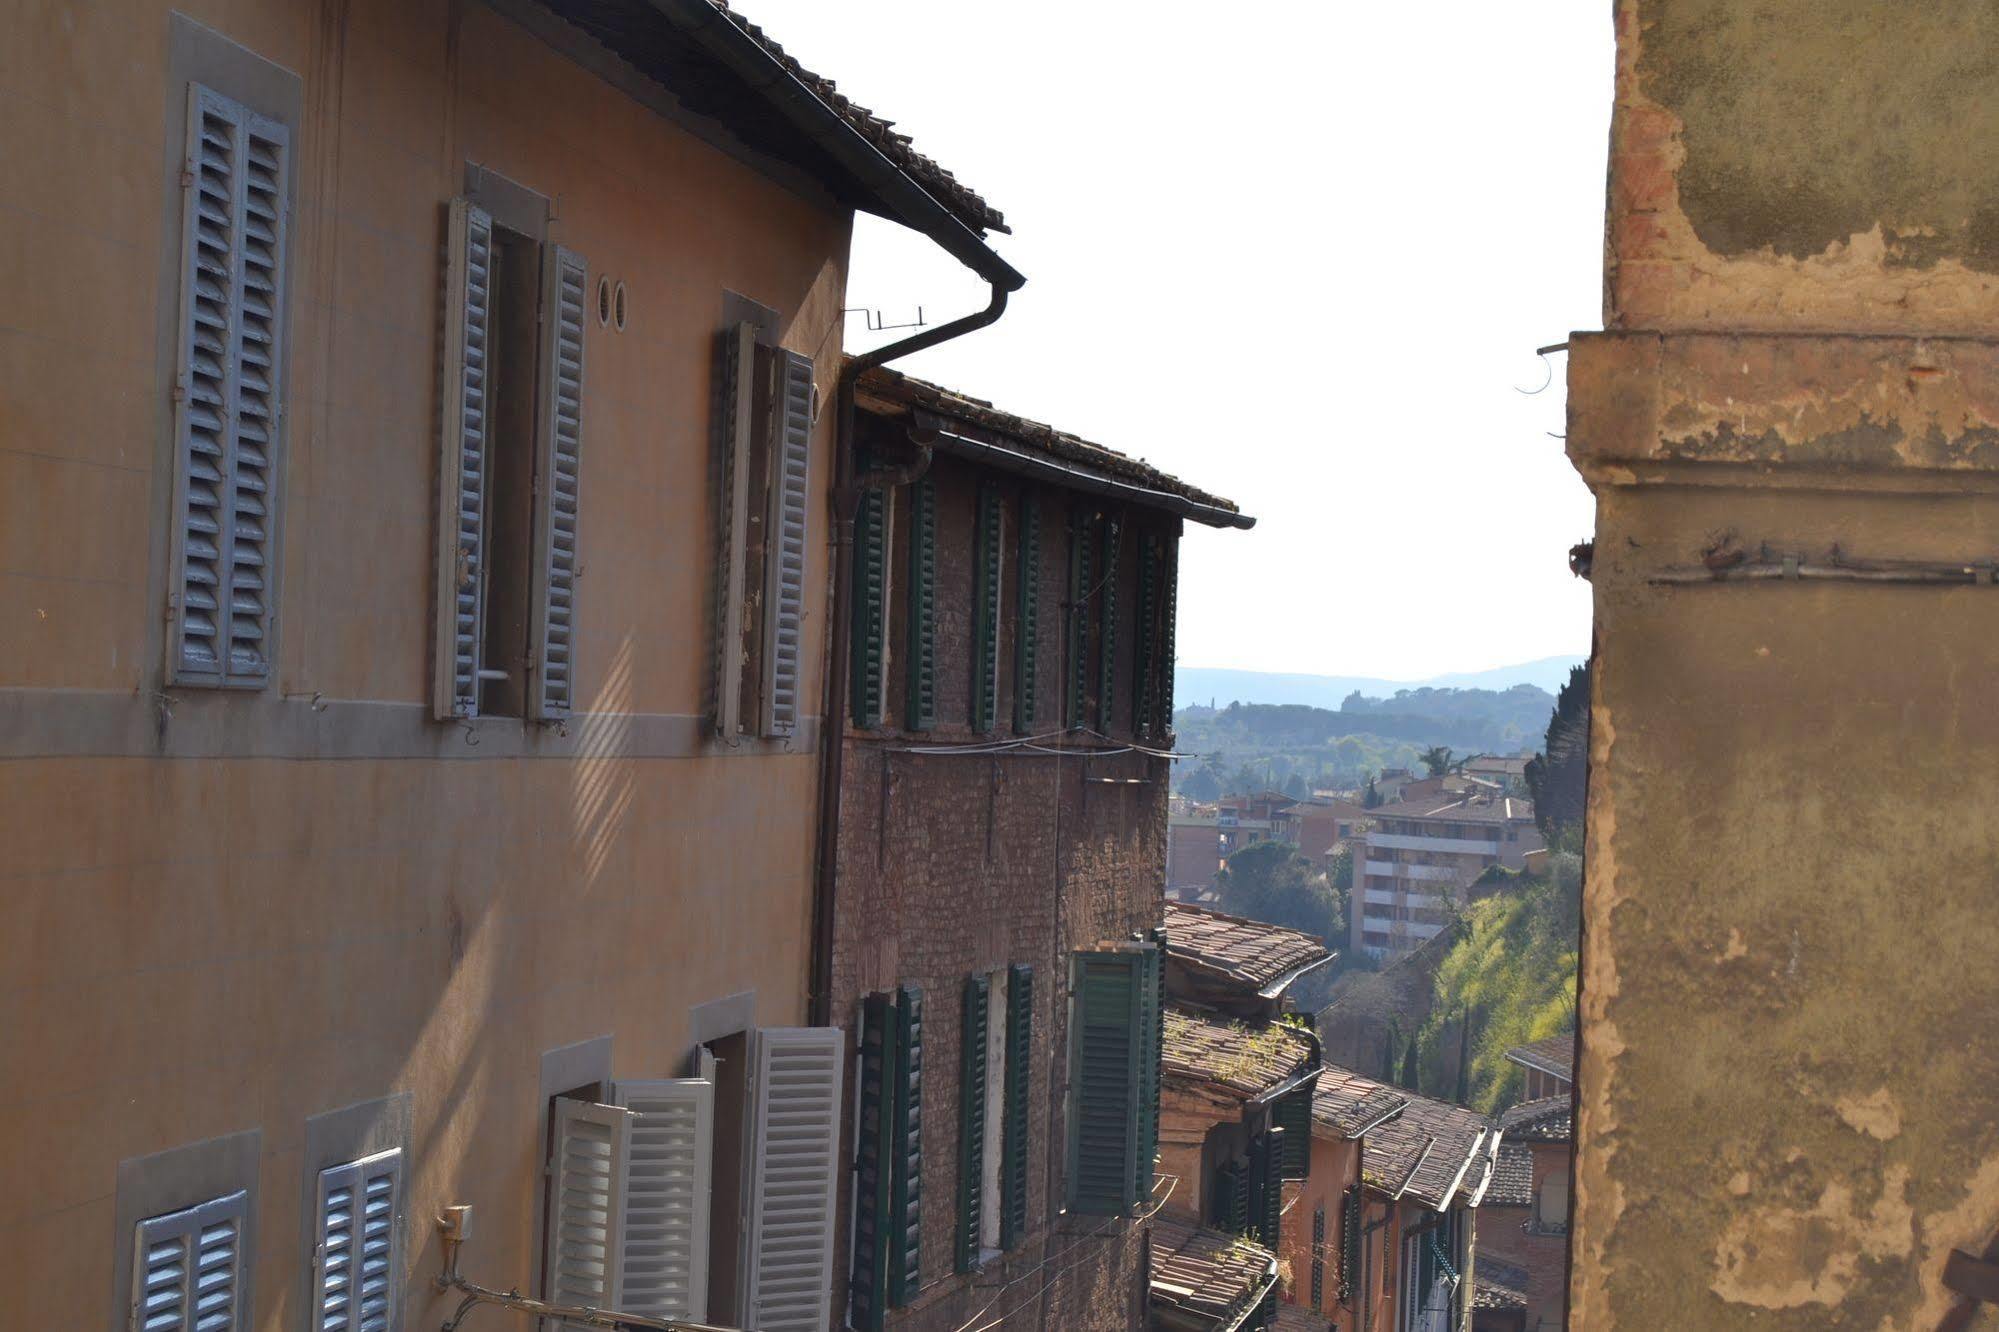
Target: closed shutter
{"x":920,"y":703}
{"x":794,"y":1151}
{"x":1267,"y":1188}
{"x":228,"y":414}
{"x":974,"y":1021}
{"x":356,"y":1256}
{"x":463,"y":438}
{"x":1145,"y":641}
{"x":1027,"y":616}
{"x":1111,"y":529}
{"x":1349,"y":1243}
{"x":188,"y":1270}
{"x":667,"y":1189}
{"x":784,"y":605}
{"x":870,"y":627}
{"x":1292,"y":1112}
{"x":735,"y":360}
{"x":1081,"y":586}
{"x":1230,"y":1208}
{"x":1013,"y":1129}
{"x":1105,"y":1073}
{"x":986,"y":609}
{"x":1152,"y":1035}
{"x":874,"y":1166}
{"x":906,"y":1189}
{"x":1169,"y":609}
{"x":553,"y":649}
{"x":1319,"y":1256}
{"x":586,"y":1203}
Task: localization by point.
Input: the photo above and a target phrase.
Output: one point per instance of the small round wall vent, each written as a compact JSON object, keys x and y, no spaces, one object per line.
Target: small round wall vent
{"x":603,"y":301}
{"x":618,"y":305}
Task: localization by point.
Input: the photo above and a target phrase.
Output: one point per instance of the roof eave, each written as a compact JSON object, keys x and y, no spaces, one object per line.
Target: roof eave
{"x":1074,"y":476}
{"x":1284,"y":982}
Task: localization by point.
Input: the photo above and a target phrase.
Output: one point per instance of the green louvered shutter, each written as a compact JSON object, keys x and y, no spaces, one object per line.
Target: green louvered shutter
{"x":1109,"y":531}
{"x":920,"y":655}
{"x":1077,"y":685}
{"x":1027,"y":615}
{"x":986,"y":610}
{"x":1230,"y":1208}
{"x":870,"y":628}
{"x":1292,"y":1112}
{"x":873,"y":1172}
{"x":1319,"y":1256}
{"x":1270,"y":1213}
{"x":1145,"y":643}
{"x":971,"y":1121}
{"x":906,"y":1188}
{"x":1169,"y":611}
{"x":1104,"y":1077}
{"x":1152,"y":1036}
{"x":1013,"y":1129}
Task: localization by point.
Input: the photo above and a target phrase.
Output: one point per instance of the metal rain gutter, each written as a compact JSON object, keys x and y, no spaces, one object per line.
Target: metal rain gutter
{"x":705,"y":25}
{"x":1284,"y":982}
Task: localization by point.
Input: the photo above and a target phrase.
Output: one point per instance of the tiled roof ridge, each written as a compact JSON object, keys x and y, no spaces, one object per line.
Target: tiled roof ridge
{"x":966,"y":203}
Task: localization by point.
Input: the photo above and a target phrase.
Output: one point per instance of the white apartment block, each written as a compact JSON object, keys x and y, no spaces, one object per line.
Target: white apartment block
{"x":1420,"y":859}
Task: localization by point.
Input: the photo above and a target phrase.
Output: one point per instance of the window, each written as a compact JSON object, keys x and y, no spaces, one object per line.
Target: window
{"x":871,"y":588}
{"x":919,"y":709}
{"x":1027,"y":615}
{"x":189,"y":1269}
{"x":766,"y":428}
{"x":1292,"y":1112}
{"x":1152,"y":692}
{"x":889,"y":1157}
{"x":1551,"y":1206}
{"x":986,"y":603}
{"x":357,"y":1250}
{"x":1019,"y":1076}
{"x":1114,"y":1047}
{"x":228,"y":395}
{"x":1319,"y":1256}
{"x":511,"y":439}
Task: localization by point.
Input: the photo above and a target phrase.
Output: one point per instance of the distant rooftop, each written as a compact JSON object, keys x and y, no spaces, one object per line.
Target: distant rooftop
{"x":1243,"y":1060}
{"x":1458,"y":808}
{"x":1512,"y":1178}
{"x":1430,"y":1150}
{"x":1251,"y":952}
{"x":1549,"y":1119}
{"x":1498,"y":1284}
{"x":1555,"y":1055}
{"x":1207,"y":1274}
{"x":1346,"y":1105}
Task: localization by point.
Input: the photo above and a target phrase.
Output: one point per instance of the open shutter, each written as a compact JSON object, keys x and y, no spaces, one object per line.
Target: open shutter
{"x":1145,"y":642}
{"x":356,"y":1267}
{"x":1152,"y":1038}
{"x":1349,"y":1243}
{"x":906,"y":1189}
{"x":972,"y":1035}
{"x":787,"y":1268}
{"x":1013,"y":1129}
{"x":228,"y":414}
{"x":188,"y":1271}
{"x":1292,"y":1112}
{"x":874,"y":1160}
{"x":1110,"y":530}
{"x":920,"y":705}
{"x":1082,"y":582}
{"x":667,"y":1184}
{"x":553,"y":649}
{"x":735,"y":359}
{"x":586,"y":1190}
{"x":1319,"y":1256}
{"x":1170,"y":598}
{"x":1266,"y":1155}
{"x":1027,"y":615}
{"x":870,"y":627}
{"x":784,"y":605}
{"x":1104,"y":1077}
{"x":1230,"y":1208}
{"x":986,"y":609}
{"x":463,"y":436}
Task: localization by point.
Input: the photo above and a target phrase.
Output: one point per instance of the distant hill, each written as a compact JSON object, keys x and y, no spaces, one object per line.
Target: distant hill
{"x":1222,"y":686}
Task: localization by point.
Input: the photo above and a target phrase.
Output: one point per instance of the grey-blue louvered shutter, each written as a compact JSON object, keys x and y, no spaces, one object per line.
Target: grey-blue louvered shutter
{"x":357,"y":1252}
{"x":189,"y":1270}
{"x":462,"y":441}
{"x":553,"y":623}
{"x":784,"y":605}
{"x":229,"y":413}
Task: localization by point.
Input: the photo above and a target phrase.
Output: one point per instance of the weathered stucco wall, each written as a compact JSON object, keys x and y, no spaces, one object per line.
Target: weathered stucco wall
{"x":1790,"y":1021}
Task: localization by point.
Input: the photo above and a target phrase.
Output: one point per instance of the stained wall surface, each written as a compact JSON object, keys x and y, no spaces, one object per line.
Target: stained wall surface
{"x":1787,"y":1026}
{"x":236,"y":912}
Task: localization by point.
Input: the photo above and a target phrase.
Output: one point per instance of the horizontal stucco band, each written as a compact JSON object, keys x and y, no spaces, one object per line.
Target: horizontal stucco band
{"x":75,"y":723}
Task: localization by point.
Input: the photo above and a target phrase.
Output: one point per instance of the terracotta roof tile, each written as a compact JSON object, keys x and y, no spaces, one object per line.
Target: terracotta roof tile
{"x":1512,"y":1178}
{"x":1248,"y":951}
{"x":1206,"y":1273}
{"x":1297,"y":1318}
{"x":1435,"y":1152}
{"x":1456,"y":807}
{"x":1551,"y":1054}
{"x":1545,"y":1120}
{"x":1345,"y":1104}
{"x":1244,"y":1059}
{"x":1498,"y":1284}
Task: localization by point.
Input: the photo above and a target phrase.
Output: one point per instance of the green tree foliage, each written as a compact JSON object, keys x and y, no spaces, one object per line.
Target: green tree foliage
{"x":1294,"y":786}
{"x":1436,"y":760}
{"x":1371,"y":798}
{"x":1269,"y":881}
{"x":1203,"y":785}
{"x":1556,"y":776}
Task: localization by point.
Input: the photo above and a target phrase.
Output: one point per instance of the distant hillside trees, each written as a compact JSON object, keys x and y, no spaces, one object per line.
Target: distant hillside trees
{"x":1269,"y":881}
{"x":1556,"y":777}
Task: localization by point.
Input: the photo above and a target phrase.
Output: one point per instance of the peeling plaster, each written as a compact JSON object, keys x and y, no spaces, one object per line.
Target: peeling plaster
{"x":1877,"y":1115}
{"x":1782,"y":1258}
{"x":1599,"y":1197}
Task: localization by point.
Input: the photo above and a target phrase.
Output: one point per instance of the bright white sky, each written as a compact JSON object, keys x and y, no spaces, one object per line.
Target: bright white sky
{"x":1298,"y":253}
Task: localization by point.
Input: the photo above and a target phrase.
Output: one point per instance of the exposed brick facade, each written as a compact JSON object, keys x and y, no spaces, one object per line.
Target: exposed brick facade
{"x":954,"y":864}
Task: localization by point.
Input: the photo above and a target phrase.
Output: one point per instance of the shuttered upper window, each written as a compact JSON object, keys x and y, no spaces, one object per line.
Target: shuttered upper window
{"x":889,"y":1157}
{"x":228,"y":408}
{"x":986,"y":602}
{"x":357,"y":1252}
{"x":189,"y":1269}
{"x":794,"y":1165}
{"x":1114,"y":1073}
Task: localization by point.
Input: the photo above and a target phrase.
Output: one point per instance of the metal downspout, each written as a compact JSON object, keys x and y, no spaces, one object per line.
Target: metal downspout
{"x":847,"y":488}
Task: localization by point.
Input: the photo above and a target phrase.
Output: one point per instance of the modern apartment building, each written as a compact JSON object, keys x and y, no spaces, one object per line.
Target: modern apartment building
{"x":1421,"y":859}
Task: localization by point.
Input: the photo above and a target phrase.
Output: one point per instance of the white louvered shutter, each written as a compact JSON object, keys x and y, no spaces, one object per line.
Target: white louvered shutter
{"x":356,"y":1256}
{"x":667,"y":1196}
{"x":784,"y":605}
{"x":462,"y":437}
{"x":561,"y":455}
{"x":586,"y":1190}
{"x":228,"y":413}
{"x":787,"y":1269}
{"x":188,"y":1269}
{"x":737,"y":366}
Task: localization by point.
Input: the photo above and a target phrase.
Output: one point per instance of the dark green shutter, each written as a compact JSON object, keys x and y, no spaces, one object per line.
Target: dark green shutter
{"x":1013,"y":1127}
{"x":1292,"y":1112}
{"x":870,"y":628}
{"x":872,"y":1177}
{"x":920,"y":708}
{"x":1081,"y":583}
{"x":1109,"y":531}
{"x":1152,"y":1037}
{"x":1231,"y":1206}
{"x":986,"y":611}
{"x":1105,"y":1076}
{"x":1319,"y":1256}
{"x":1169,"y":594}
{"x":1349,"y":1242}
{"x":1027,"y":615}
{"x":906,"y":1189}
{"x":1145,"y":644}
{"x":1270,"y":1195}
{"x":971,"y":1121}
